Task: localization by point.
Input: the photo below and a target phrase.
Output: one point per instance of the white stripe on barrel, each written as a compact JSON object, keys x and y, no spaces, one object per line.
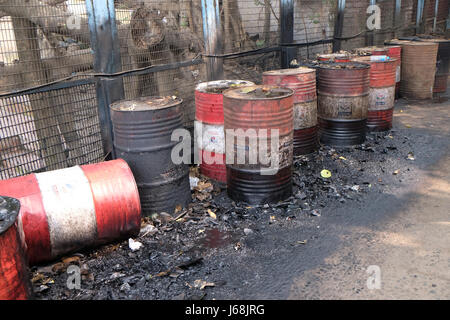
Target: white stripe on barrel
{"x":68,"y":202}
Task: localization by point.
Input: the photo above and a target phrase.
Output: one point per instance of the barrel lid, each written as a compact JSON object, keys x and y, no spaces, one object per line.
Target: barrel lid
{"x":219,"y":86}
{"x":146,"y":103}
{"x":365,"y":51}
{"x":333,"y":55}
{"x":9,"y":210}
{"x":344,"y":65}
{"x":288,"y":72}
{"x":259,"y":92}
{"x":438,"y":40}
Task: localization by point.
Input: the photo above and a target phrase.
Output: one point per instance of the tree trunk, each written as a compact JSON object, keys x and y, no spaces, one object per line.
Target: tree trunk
{"x":41,"y":104}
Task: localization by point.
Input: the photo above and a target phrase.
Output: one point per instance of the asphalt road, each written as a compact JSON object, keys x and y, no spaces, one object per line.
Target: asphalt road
{"x":393,"y":245}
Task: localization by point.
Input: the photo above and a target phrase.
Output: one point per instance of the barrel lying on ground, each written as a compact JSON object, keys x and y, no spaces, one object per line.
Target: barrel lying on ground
{"x":209,"y":126}
{"x":258,"y":117}
{"x":381,"y":93}
{"x":303,"y":82}
{"x":14,"y":274}
{"x":343,"y":101}
{"x":70,"y":209}
{"x":142,"y":137}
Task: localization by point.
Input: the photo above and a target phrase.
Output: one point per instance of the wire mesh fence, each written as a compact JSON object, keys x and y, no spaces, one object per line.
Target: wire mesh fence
{"x":47,"y":41}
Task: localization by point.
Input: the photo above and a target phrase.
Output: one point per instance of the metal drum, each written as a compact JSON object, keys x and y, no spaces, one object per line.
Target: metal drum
{"x":142,"y":136}
{"x":381,"y":93}
{"x":334,"y":57}
{"x":70,"y":209}
{"x":395,"y":52}
{"x":418,"y":69}
{"x":343,"y":101}
{"x":209,"y":126}
{"x":14,"y":274}
{"x":371,"y":51}
{"x":258,"y":118}
{"x":303,"y":81}
{"x":442,"y":64}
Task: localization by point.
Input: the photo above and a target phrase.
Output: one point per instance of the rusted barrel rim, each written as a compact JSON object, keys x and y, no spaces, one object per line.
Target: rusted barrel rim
{"x":9,"y":210}
{"x":329,"y":65}
{"x":289,"y":72}
{"x":334,"y":56}
{"x":146,"y":103}
{"x":221,"y":84}
{"x":239,"y":95}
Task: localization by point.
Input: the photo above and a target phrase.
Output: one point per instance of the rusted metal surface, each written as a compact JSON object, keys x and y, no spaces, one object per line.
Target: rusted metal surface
{"x":142,"y":137}
{"x":14,"y":274}
{"x":442,"y":64}
{"x":381,"y":93}
{"x":334,"y":57}
{"x":303,"y":82}
{"x":265,"y":108}
{"x":69,"y":209}
{"x":418,"y":69}
{"x":209,"y":126}
{"x":395,"y":51}
{"x":343,"y":100}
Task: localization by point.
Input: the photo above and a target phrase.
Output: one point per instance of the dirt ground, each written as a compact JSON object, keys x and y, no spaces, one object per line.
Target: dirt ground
{"x":385,"y":207}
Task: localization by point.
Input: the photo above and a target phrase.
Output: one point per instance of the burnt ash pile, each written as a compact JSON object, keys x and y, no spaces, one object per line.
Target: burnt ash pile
{"x":185,"y":256}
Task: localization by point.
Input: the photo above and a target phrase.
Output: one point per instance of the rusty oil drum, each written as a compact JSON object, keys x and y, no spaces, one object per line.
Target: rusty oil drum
{"x":14,"y":274}
{"x":395,"y":52}
{"x":209,"y":126}
{"x":343,"y":101}
{"x":303,"y":81}
{"x":418,"y":69}
{"x":381,"y":93}
{"x":442,"y":64}
{"x":334,"y":57}
{"x":74,"y":208}
{"x":142,"y":137}
{"x":248,"y":112}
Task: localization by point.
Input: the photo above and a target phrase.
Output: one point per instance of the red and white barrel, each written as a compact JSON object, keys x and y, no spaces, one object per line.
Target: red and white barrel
{"x":381,"y":93}
{"x":69,"y":209}
{"x":14,"y":274}
{"x":303,"y":82}
{"x":209,"y":126}
{"x":395,"y":52}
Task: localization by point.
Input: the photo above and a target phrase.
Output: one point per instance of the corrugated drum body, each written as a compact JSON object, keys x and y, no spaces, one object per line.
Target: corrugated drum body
{"x":443,"y":64}
{"x":418,"y":69}
{"x":73,"y":208}
{"x":303,"y":82}
{"x":343,"y":100}
{"x":209,"y":126}
{"x":142,"y":137}
{"x":14,"y":274}
{"x":245,"y":181}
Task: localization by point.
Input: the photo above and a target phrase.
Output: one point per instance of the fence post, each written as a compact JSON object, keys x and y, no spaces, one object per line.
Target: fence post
{"x":397,"y":16}
{"x":105,"y":45}
{"x":212,"y":32}
{"x":288,"y":53}
{"x":339,"y":25}
{"x":370,"y":34}
{"x":419,"y":18}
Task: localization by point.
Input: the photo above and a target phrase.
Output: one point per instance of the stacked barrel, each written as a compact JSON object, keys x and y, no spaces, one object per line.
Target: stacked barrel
{"x":70,"y":209}
{"x":381,"y":93}
{"x":143,"y":130}
{"x":303,"y":82}
{"x":259,"y":125}
{"x":14,"y":279}
{"x":343,"y":101}
{"x":209,"y":126}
